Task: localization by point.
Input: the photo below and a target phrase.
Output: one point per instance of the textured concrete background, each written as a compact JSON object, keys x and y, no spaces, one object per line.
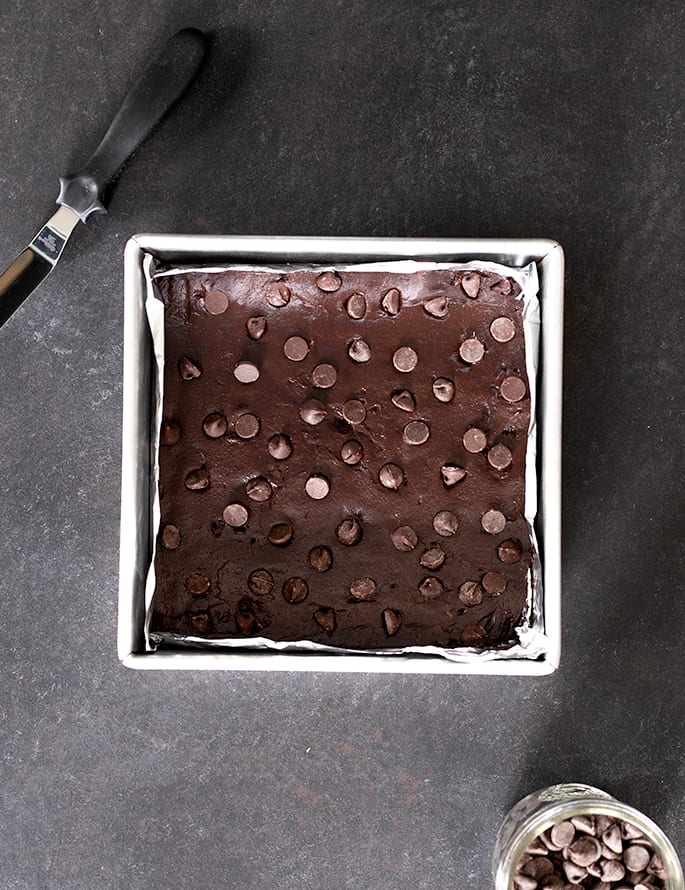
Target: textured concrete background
{"x":368,"y":118}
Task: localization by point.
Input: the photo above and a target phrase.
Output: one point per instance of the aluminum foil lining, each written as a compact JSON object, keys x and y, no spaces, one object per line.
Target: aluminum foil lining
{"x":532,"y":643}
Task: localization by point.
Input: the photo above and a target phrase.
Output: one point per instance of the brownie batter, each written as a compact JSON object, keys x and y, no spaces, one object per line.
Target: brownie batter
{"x":342,"y":458}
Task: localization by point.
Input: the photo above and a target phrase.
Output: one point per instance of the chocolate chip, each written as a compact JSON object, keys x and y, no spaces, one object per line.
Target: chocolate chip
{"x":188,"y":369}
{"x":630,"y":831}
{"x":416,"y":432}
{"x":214,"y":426}
{"x":256,"y":327}
{"x":437,"y":307}
{"x":277,"y":293}
{"x":503,"y":287}
{"x":170,"y":433}
{"x":354,"y":411}
{"x":472,"y":350}
{"x":445,"y":523}
{"x":612,"y":870}
{"x":405,"y":359}
{"x":351,"y":452}
{"x":313,"y":412}
{"x":433,"y":557}
{"x":513,"y":389}
{"x":171,"y":537}
{"x":404,"y":400}
{"x":495,"y":583}
{"x":474,"y":440}
{"x":404,"y":538}
{"x":574,"y":873}
{"x":656,"y":867}
{"x":431,"y":588}
{"x":470,"y":283}
{"x":451,"y":474}
{"x":391,"y":476}
{"x":548,"y":842}
{"x":247,"y":426}
{"x":612,"y":838}
{"x":607,"y":853}
{"x":538,"y":868}
{"x":363,"y":589}
{"x":245,"y":619}
{"x":295,"y":590}
{"x":601,"y":823}
{"x":325,"y":618}
{"x":324,"y":376}
{"x":317,"y":487}
{"x":246,"y":372}
{"x":197,"y":480}
{"x":320,"y":558}
{"x":235,"y":515}
{"x":356,"y":306}
{"x":216,"y":302}
{"x":259,"y":489}
{"x":636,"y":858}
{"x":200,"y":623}
{"x":329,"y":282}
{"x":499,"y":457}
{"x":392,"y":301}
{"x":260,"y":582}
{"x":279,"y":447}
{"x":509,"y":552}
{"x":584,"y":851}
{"x":359,"y":350}
{"x":502,"y":329}
{"x":443,"y":389}
{"x":392,"y":621}
{"x":197,"y":584}
{"x":296,"y":349}
{"x":280,"y":534}
{"x":471,"y":593}
{"x":473,"y":635}
{"x":563,"y":832}
{"x":349,"y":532}
{"x":493,"y":522}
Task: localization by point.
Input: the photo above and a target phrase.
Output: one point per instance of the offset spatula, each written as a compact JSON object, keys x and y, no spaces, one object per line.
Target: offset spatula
{"x":82,"y":193}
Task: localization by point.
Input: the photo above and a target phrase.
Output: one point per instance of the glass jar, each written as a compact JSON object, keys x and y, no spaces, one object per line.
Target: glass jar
{"x":539,"y":811}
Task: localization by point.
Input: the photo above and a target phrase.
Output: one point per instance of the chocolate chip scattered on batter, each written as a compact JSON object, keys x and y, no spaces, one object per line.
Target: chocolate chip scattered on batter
{"x":277,"y":293}
{"x":324,"y":376}
{"x":443,"y":389}
{"x":356,"y":306}
{"x":359,"y":350}
{"x":392,"y":301}
{"x":197,"y":480}
{"x":256,"y":327}
{"x":391,"y":476}
{"x":246,"y":372}
{"x":351,"y":452}
{"x":405,"y":359}
{"x":296,"y":349}
{"x":214,"y":425}
{"x":329,"y":282}
{"x":188,"y":369}
{"x":404,"y":400}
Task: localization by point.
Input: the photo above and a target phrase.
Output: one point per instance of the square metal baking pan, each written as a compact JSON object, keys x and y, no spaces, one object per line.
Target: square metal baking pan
{"x":137,"y":493}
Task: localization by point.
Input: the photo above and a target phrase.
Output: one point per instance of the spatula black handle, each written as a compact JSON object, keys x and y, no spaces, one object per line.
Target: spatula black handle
{"x":153,"y":94}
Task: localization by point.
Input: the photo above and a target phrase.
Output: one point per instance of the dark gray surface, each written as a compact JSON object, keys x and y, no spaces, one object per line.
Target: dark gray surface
{"x":524,"y":119}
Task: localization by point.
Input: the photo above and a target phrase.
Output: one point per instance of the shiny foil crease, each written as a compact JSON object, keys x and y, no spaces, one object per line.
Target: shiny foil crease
{"x":532,"y":642}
